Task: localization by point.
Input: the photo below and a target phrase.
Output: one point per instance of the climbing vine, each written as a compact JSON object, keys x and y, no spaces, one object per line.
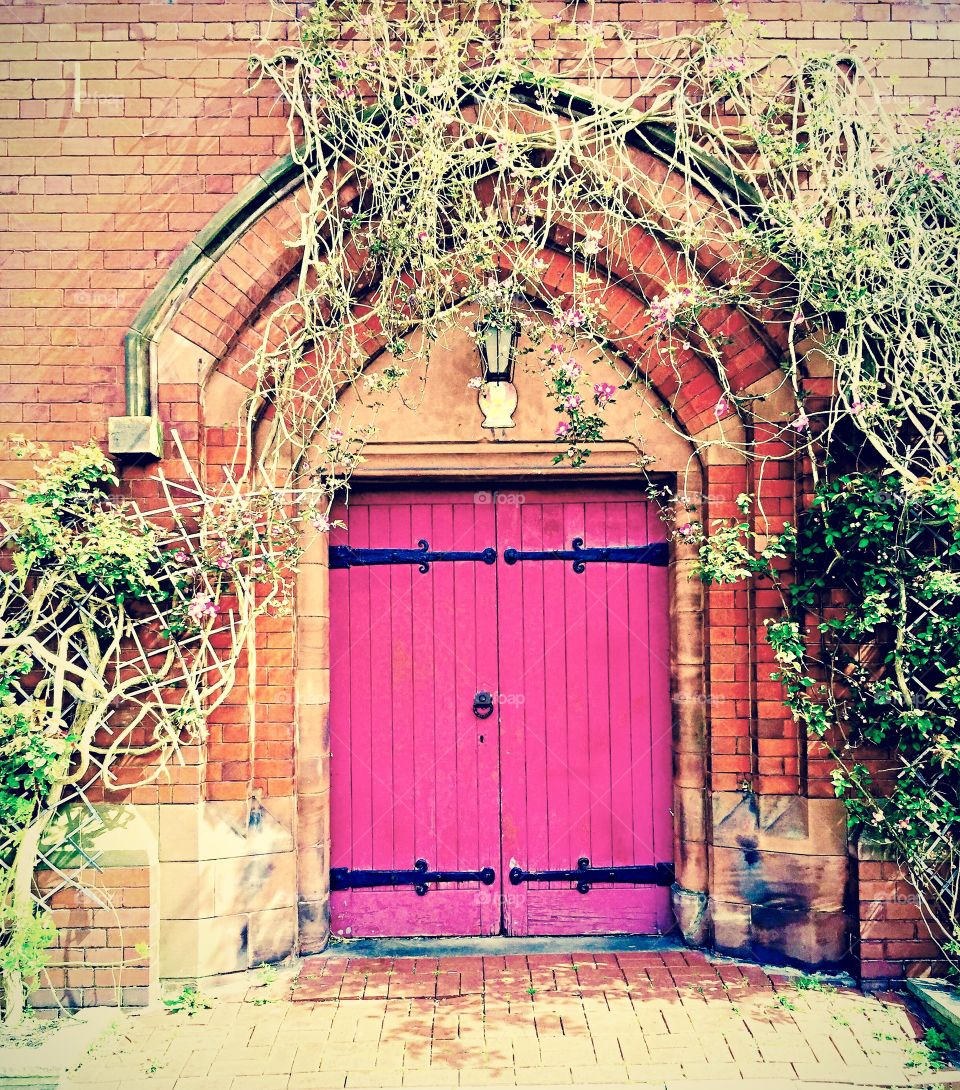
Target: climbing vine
{"x":443,"y":161}
{"x":446,"y":153}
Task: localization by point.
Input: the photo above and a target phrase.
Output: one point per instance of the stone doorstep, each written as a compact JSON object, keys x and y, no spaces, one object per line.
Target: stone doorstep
{"x":65,"y":1048}
{"x":941,"y":1002}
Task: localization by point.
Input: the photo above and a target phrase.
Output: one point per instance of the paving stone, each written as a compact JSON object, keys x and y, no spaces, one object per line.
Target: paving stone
{"x":467,"y":1022}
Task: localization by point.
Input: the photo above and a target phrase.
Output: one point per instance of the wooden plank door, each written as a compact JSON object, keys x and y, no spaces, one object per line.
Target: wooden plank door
{"x":414,"y":774}
{"x":585,"y":712}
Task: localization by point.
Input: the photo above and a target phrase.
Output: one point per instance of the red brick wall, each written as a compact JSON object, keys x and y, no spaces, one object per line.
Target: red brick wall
{"x":95,"y":961}
{"x":894,"y":938}
{"x":127,"y":126}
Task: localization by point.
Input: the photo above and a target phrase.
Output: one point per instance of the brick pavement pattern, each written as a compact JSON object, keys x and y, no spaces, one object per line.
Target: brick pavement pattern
{"x":665,"y":1018}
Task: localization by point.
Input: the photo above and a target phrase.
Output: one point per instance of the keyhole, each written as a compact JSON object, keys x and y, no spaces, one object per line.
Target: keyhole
{"x":481,"y":737}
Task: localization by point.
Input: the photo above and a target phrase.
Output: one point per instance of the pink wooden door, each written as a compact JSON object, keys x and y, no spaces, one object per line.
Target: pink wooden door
{"x":574,"y":761}
{"x":584,"y":715}
{"x":414,"y":774}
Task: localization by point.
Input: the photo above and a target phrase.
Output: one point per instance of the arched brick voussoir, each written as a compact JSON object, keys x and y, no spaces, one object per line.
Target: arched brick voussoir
{"x":668,"y":205}
{"x":242,"y":279}
{"x":685,"y":383}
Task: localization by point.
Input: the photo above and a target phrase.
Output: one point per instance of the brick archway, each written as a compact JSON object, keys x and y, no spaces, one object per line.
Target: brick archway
{"x":741,"y":770}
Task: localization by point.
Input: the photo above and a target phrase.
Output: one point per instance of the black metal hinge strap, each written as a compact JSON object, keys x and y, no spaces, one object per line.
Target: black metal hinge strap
{"x":656,"y":874}
{"x":656,"y":555}
{"x":420,"y":877}
{"x":345,"y":556}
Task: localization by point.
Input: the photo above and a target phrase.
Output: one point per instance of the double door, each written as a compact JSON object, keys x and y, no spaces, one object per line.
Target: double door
{"x":500,"y":714}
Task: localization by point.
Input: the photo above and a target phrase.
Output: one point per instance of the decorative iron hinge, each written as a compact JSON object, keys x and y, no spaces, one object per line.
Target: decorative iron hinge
{"x":657,"y":555}
{"x":420,"y":877}
{"x":657,"y":874}
{"x":345,"y":556}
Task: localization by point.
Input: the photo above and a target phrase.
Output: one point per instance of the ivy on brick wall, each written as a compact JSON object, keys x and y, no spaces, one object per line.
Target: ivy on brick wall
{"x":442,"y":160}
{"x":120,"y":632}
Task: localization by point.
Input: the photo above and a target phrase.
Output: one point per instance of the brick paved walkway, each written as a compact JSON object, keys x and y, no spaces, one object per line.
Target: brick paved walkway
{"x":664,"y":1018}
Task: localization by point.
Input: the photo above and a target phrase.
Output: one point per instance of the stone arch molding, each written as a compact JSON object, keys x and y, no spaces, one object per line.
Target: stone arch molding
{"x":215,"y":288}
{"x":203,"y":321}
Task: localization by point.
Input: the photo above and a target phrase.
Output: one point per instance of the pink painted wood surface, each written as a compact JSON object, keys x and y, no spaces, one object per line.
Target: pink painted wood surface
{"x":410,"y":776}
{"x":594,"y":713}
{"x":575,"y":761}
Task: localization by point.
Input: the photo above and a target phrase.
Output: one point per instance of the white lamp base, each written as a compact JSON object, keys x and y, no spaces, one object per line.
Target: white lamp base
{"x":498,"y":402}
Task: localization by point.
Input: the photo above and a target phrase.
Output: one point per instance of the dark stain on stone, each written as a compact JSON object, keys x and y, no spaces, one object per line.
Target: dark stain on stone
{"x":244,"y":938}
{"x":750,"y":854}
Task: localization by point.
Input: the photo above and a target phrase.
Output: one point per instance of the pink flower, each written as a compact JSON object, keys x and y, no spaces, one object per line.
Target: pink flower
{"x":572,"y":402}
{"x":201,"y":608}
{"x":856,"y":406}
{"x":685,"y":529}
{"x":563,"y":430}
{"x":412,"y":121}
{"x":903,"y":823}
{"x":223,"y":562}
{"x":591,"y":243}
{"x":929,"y":172}
{"x":571,"y":369}
{"x":721,"y":409}
{"x":556,"y":347}
{"x":604,"y":393}
{"x":475,"y":383}
{"x":320,"y":522}
{"x":181,"y":556}
{"x":802,"y":423}
{"x":335,"y":438}
{"x":877,"y":816}
{"x":574,"y":317}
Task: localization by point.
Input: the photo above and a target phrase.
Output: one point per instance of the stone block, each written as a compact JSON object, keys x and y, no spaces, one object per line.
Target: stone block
{"x":314,"y":872}
{"x":135,"y":435}
{"x":779,"y":823}
{"x":313,"y":723}
{"x":746,"y":875}
{"x":222,"y":830}
{"x":691,"y":863}
{"x":691,"y":909}
{"x":183,"y":362}
{"x":191,"y":948}
{"x":731,"y":927}
{"x":272,"y":934}
{"x":687,"y":632}
{"x":689,"y":810}
{"x":815,"y":940}
{"x":313,"y":685}
{"x":255,"y":883}
{"x":186,"y":890}
{"x":314,"y":923}
{"x":313,"y":591}
{"x":223,"y":398}
{"x":313,"y":641}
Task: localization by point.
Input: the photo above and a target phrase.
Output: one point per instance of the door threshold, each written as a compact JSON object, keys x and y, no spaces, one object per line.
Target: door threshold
{"x":495,"y":946}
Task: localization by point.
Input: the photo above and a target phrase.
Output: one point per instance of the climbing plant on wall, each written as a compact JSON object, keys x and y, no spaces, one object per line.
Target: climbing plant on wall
{"x":443,"y":157}
{"x":446,"y":152}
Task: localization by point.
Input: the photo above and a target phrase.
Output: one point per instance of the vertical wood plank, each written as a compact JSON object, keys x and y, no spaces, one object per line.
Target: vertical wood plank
{"x":512,"y":755}
{"x":598,"y":740}
{"x":555,"y":668}
{"x":624,"y":730}
{"x":533,"y":713}
{"x":423,"y":705}
{"x":404,"y":823}
{"x":381,"y":687}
